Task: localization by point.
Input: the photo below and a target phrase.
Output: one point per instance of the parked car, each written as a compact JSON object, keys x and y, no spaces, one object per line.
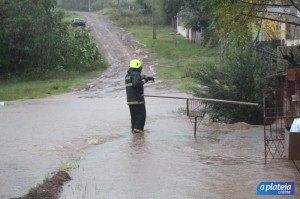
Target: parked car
{"x":78,"y":22}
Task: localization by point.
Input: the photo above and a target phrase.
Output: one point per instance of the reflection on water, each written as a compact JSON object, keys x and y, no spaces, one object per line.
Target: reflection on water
{"x":170,"y":163}
{"x":226,"y":160}
{"x":138,"y":143}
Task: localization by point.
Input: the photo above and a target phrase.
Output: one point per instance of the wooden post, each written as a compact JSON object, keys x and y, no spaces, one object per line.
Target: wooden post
{"x":195,"y":127}
{"x":154,"y":19}
{"x":187,"y":107}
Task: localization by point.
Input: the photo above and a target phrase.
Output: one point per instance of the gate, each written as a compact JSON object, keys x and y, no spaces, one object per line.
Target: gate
{"x":280,"y":108}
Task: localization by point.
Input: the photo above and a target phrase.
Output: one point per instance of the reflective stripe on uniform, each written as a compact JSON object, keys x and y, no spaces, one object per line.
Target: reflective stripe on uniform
{"x":137,"y":131}
{"x":129,"y":84}
{"x":132,"y":103}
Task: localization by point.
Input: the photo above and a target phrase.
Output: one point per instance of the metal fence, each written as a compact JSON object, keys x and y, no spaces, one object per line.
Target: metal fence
{"x":280,"y":108}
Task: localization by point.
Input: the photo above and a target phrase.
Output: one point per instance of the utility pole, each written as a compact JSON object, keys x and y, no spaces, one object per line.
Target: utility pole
{"x":154,"y":19}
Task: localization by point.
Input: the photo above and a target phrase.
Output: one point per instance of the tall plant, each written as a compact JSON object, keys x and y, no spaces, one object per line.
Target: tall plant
{"x":27,"y":27}
{"x":34,"y":40}
{"x":240,"y":79}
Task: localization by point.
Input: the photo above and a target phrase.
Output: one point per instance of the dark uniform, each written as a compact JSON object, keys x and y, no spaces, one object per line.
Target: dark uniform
{"x":134,"y":82}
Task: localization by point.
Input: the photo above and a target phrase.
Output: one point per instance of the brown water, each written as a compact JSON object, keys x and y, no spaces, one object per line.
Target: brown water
{"x":167,"y":161}
{"x":90,"y":130}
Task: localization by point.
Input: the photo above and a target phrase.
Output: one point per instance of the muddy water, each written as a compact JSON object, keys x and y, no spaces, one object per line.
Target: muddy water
{"x":90,"y":130}
{"x":167,"y":161}
{"x":38,"y":136}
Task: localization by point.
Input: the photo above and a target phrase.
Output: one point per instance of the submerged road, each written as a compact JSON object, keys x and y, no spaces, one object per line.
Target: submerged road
{"x":89,"y":130}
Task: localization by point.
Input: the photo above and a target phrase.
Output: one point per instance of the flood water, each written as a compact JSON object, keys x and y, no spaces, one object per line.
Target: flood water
{"x":89,"y":132}
{"x":167,"y":161}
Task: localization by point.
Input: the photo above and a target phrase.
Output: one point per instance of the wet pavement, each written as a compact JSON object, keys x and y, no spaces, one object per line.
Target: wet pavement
{"x":89,"y":130}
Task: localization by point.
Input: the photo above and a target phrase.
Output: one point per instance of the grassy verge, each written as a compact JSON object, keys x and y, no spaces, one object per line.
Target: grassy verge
{"x":28,"y":89}
{"x":177,"y":57}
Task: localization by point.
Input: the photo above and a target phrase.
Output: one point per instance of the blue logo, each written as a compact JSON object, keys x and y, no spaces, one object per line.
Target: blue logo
{"x":275,"y":188}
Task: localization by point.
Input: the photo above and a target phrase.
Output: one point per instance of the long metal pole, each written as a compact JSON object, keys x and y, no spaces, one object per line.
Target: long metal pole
{"x":206,"y":100}
{"x":89,"y":5}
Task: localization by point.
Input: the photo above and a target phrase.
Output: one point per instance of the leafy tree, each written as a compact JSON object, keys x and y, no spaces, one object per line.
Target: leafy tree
{"x":194,"y":16}
{"x":25,"y":26}
{"x":35,"y":41}
{"x":168,"y":9}
{"x":237,"y":16}
{"x":79,"y":5}
{"x":146,"y":6}
{"x":85,"y":55}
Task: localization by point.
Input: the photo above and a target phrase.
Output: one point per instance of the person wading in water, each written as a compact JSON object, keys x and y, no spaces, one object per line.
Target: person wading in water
{"x":134,"y":82}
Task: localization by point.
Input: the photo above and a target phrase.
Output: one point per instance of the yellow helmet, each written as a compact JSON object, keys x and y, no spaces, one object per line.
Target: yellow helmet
{"x":135,"y":64}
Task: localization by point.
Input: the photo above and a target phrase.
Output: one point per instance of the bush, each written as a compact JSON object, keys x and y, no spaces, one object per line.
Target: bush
{"x":37,"y":42}
{"x":241,"y":79}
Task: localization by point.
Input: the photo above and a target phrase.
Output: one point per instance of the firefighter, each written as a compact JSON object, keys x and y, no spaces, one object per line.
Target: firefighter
{"x":134,"y":82}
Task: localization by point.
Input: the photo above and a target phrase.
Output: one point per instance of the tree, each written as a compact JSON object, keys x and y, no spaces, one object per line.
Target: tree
{"x":169,"y":9}
{"x":237,"y":17}
{"x":24,"y":25}
{"x":34,"y":40}
{"x":232,"y":20}
{"x":193,"y":16}
{"x":79,"y":5}
{"x":233,"y":16}
{"x":146,"y":6}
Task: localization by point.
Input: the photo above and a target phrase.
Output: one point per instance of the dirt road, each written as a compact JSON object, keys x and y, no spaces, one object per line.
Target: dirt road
{"x":90,"y":130}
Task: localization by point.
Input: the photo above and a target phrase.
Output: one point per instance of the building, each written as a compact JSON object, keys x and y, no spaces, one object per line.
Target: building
{"x":194,"y":36}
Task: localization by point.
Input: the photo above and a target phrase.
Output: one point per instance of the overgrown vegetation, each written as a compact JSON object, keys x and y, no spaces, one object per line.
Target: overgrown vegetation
{"x":36,"y":42}
{"x":39,"y":47}
{"x":240,"y":79}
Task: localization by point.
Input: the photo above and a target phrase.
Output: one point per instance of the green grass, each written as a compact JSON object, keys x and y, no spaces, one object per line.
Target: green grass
{"x":21,"y":89}
{"x":177,"y":57}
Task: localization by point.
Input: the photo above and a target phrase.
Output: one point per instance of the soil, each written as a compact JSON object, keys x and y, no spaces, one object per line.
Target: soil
{"x":50,"y":189}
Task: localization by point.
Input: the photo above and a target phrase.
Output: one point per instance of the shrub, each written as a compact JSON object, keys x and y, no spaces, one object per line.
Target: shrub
{"x":240,"y":79}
